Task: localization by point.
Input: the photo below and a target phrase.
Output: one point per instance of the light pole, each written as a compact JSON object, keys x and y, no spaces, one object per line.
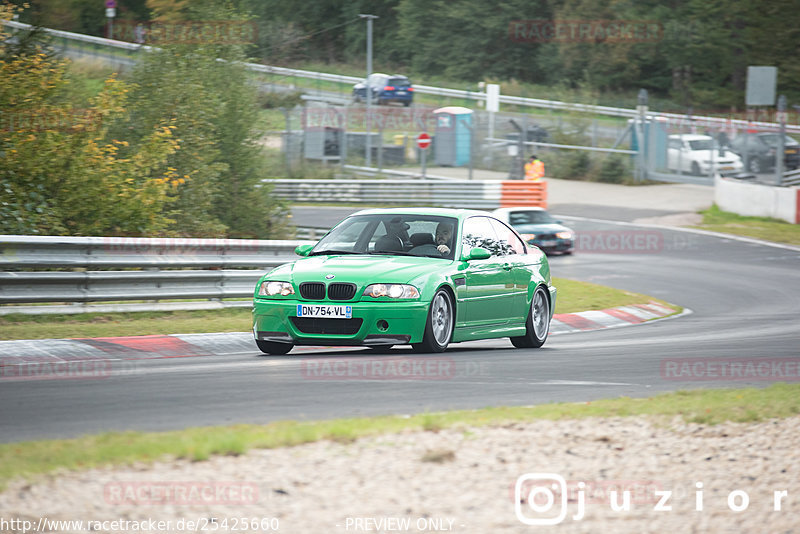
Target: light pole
{"x":368,"y":141}
{"x":780,"y":148}
{"x":641,"y":107}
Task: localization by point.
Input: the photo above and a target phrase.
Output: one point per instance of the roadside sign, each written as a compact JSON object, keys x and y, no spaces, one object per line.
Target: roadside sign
{"x":761,"y":82}
{"x":492,"y":97}
{"x":423,"y":140}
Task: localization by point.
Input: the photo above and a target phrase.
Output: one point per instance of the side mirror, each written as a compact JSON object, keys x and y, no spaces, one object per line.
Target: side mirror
{"x":478,"y":253}
{"x":303,"y":250}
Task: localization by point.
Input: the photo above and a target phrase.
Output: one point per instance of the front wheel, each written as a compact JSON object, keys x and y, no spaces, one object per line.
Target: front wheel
{"x":439,"y":325}
{"x":537,"y":326}
{"x":270,"y":347}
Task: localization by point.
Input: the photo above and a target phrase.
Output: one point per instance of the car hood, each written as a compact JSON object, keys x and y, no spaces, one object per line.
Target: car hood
{"x":359,"y":268}
{"x":545,"y":228}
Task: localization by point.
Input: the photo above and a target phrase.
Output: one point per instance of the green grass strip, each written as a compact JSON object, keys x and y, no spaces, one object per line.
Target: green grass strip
{"x":29,"y":459}
{"x":716,"y":220}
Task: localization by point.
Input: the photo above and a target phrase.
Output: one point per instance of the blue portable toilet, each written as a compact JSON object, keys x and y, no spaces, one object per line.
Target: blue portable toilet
{"x":453,"y":136}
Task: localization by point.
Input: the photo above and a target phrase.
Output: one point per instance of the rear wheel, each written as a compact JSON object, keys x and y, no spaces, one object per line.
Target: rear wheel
{"x":270,"y":347}
{"x":695,"y":169}
{"x":537,"y":326}
{"x":439,"y":326}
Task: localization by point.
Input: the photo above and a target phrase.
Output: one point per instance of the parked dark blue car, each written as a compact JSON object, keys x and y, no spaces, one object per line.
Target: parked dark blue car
{"x":385,"y":89}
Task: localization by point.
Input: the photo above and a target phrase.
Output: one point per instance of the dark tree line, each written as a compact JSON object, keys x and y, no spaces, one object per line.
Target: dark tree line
{"x":699,"y":58}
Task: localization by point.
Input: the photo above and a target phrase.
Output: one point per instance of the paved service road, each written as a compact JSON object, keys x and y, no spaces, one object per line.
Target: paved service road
{"x":744,"y":298}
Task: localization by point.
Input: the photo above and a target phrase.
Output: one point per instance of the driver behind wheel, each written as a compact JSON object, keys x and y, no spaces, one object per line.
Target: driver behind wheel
{"x":444,"y":236}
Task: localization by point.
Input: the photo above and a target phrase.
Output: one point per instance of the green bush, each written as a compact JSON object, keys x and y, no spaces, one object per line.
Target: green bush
{"x":272,"y":100}
{"x":613,"y":170}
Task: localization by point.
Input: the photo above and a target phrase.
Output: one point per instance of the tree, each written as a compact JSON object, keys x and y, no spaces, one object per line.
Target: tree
{"x":61,"y":171}
{"x":203,"y":90}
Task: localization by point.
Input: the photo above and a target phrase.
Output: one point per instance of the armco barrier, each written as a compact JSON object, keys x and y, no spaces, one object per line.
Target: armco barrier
{"x":523,"y":193}
{"x":156,"y":269}
{"x":474,"y":194}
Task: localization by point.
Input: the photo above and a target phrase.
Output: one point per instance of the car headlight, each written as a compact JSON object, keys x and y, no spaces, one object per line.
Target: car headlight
{"x":272,"y":288}
{"x":394,"y":291}
{"x":528,"y":237}
{"x":564,"y":235}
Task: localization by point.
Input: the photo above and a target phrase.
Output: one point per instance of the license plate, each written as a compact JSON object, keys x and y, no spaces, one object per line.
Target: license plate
{"x":401,"y":92}
{"x":726,"y":168}
{"x":329,"y":312}
{"x":791,"y":151}
{"x":547,"y":244}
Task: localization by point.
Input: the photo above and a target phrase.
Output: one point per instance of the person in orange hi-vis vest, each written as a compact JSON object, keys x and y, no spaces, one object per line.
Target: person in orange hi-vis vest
{"x":534,"y":169}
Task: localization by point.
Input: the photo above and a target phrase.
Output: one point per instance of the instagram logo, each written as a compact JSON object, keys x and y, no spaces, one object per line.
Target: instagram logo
{"x":539,"y":491}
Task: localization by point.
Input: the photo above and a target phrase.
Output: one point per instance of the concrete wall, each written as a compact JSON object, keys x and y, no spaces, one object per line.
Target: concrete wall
{"x":757,"y":200}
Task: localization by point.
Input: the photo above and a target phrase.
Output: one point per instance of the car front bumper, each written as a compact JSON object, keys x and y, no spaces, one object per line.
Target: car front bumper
{"x":557,"y":245}
{"x":372,"y":324}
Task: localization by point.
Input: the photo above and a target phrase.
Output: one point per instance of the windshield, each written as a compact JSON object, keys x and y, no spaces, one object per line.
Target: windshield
{"x":391,"y":234}
{"x":771,"y":140}
{"x":702,"y":144}
{"x":530,"y":217}
{"x":401,"y":81}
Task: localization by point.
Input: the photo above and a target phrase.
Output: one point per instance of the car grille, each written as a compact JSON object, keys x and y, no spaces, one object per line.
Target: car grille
{"x":545,"y":237}
{"x":316,"y":325}
{"x":312,"y":290}
{"x":341,"y":291}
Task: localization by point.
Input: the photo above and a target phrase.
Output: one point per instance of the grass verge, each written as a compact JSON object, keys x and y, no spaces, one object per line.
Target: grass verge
{"x":28,"y":459}
{"x":573,"y":296}
{"x":716,"y":220}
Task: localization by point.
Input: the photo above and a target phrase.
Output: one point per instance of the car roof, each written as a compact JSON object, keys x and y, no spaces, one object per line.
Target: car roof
{"x":690,"y":137}
{"x":517,"y":208}
{"x":444,"y":212}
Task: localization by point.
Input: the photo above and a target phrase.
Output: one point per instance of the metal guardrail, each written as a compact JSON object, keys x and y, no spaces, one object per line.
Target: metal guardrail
{"x":479,"y":194}
{"x":447,"y":92}
{"x":46,"y":269}
{"x":21,"y":252}
{"x":374,"y":171}
{"x":791,"y":178}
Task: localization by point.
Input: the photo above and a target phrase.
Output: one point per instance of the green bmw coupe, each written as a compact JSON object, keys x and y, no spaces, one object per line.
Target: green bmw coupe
{"x":422,"y":276}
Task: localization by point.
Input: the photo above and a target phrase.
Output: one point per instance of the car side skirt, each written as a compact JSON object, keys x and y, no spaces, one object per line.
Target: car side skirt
{"x":471,"y":333}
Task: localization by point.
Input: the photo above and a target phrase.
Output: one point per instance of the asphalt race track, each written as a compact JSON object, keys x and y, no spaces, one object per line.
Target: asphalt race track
{"x":744,"y":298}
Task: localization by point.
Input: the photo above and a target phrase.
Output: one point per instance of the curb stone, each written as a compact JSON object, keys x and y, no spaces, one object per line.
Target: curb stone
{"x":56,"y":353}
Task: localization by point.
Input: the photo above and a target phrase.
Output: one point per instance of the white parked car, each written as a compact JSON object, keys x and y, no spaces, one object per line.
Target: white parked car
{"x":695,"y":154}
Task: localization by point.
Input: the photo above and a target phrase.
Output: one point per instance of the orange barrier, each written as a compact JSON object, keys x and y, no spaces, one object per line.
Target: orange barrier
{"x":523,"y":193}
